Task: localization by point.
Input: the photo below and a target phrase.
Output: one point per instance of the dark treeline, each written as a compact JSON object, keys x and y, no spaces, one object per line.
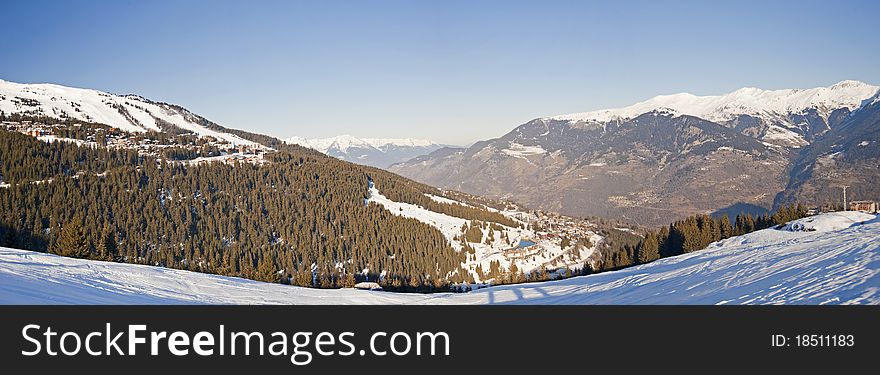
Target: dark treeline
{"x":697,"y":232}
{"x":301,"y":219}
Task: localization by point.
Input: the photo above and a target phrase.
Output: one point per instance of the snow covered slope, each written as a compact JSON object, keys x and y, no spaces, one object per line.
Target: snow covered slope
{"x":377,"y":152}
{"x":499,"y":248}
{"x":768,"y":104}
{"x":127,"y":112}
{"x":819,"y":263}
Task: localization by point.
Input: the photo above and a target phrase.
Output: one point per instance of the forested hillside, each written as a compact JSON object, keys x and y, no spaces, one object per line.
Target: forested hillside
{"x":299,"y":217}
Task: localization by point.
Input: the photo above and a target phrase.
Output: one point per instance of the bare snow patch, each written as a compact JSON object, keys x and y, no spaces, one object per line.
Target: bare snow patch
{"x":518,"y":150}
{"x":450,"y":226}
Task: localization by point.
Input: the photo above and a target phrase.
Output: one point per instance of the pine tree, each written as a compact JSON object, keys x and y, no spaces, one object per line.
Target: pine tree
{"x":107,"y":244}
{"x":266,"y":270}
{"x":648,"y":249}
{"x":73,"y":242}
{"x":726,"y":229}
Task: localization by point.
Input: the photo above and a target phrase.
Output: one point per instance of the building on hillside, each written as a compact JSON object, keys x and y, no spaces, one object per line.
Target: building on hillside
{"x":864,"y":206}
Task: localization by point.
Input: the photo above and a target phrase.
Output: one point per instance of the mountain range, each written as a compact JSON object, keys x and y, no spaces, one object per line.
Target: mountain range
{"x":377,"y":152}
{"x":128,"y":179}
{"x":135,"y":113}
{"x":676,"y":155}
{"x":649,"y":163}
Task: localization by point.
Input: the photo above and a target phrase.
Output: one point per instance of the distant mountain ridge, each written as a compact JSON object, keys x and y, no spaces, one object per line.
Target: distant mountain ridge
{"x":665,"y":158}
{"x":377,"y":152}
{"x":790,"y":117}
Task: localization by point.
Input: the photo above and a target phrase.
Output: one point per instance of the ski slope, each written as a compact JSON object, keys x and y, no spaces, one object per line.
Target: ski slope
{"x":827,"y":259}
{"x":130,"y":113}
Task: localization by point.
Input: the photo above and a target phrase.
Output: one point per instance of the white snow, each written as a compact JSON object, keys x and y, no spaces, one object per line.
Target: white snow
{"x":778,"y":134}
{"x":399,"y":142}
{"x":748,"y":101}
{"x":96,"y":106}
{"x":548,"y":253}
{"x":450,"y":226}
{"x":445,"y":200}
{"x":226,"y":158}
{"x":36,"y":278}
{"x":344,"y":142}
{"x":78,"y":142}
{"x":826,"y":266}
{"x":518,"y":150}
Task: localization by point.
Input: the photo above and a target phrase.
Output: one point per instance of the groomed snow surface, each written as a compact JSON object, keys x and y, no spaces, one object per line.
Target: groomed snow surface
{"x":827,"y":259}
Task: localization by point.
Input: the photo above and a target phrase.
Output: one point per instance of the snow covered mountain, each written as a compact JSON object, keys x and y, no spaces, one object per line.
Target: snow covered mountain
{"x":790,"y":117}
{"x":827,"y":259}
{"x":662,"y":159}
{"x":848,"y":154}
{"x":131,"y":113}
{"x":377,"y":152}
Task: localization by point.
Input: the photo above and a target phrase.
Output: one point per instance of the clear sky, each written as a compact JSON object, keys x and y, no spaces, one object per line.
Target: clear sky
{"x":451,"y":71}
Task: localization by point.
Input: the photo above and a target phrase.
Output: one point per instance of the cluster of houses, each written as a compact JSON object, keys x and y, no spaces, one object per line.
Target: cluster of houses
{"x":29,"y":128}
{"x":867,"y":206}
{"x":227,"y":152}
{"x":553,"y":227}
{"x":864,"y":206}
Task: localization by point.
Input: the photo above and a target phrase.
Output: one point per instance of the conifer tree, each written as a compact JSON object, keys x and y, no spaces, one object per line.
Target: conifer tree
{"x":726,"y":229}
{"x":107,"y":244}
{"x":649,"y":248}
{"x":73,"y":241}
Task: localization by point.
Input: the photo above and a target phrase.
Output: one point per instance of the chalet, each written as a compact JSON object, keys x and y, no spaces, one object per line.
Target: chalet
{"x":864,"y":206}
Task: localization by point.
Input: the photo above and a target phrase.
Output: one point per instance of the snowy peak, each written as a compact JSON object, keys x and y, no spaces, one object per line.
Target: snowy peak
{"x":398,"y":142}
{"x":131,"y":113}
{"x":764,"y":104}
{"x":377,"y":152}
{"x":344,"y":142}
{"x":341,"y":143}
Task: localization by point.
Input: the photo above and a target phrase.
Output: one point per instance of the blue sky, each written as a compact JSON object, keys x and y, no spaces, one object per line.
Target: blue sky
{"x":452,"y":71}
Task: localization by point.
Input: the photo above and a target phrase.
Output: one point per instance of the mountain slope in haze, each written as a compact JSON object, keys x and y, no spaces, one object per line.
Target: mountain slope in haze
{"x":663,"y":159}
{"x":376,"y":152}
{"x":836,"y":262}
